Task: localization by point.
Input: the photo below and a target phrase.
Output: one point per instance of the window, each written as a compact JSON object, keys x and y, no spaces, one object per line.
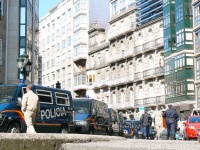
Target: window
{"x":80,"y":20}
{"x":44,"y":96}
{"x":53,"y":63}
{"x":80,"y":49}
{"x":58,"y":46}
{"x":57,"y":33}
{"x":0,"y":51}
{"x":166,"y":2}
{"x":180,"y":37}
{"x":179,"y":13}
{"x":69,"y":83}
{"x":53,"y":76}
{"x":69,"y":26}
{"x":1,"y":7}
{"x":166,"y":20}
{"x":81,"y":34}
{"x":167,"y":43}
{"x":131,"y":3}
{"x":198,"y":69}
{"x":197,"y":41}
{"x":69,"y":41}
{"x":114,"y":7}
{"x":197,"y":14}
{"x":63,"y":30}
{"x":122,"y":5}
{"x":80,"y":5}
{"x":52,"y":37}
{"x":69,"y":13}
{"x":62,"y":99}
{"x":63,"y":44}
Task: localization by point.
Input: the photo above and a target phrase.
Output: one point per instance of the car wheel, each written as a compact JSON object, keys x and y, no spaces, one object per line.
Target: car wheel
{"x":13,"y":128}
{"x":64,"y":130}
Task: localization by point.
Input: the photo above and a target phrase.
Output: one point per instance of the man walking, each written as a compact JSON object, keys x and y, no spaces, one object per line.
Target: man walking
{"x":172,"y":118}
{"x":146,"y":121}
{"x":30,"y":108}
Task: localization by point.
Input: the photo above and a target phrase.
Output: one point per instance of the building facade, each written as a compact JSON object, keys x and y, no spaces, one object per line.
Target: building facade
{"x":19,"y":34}
{"x":130,"y":76}
{"x":64,"y":42}
{"x":196,"y":29}
{"x":179,"y":54}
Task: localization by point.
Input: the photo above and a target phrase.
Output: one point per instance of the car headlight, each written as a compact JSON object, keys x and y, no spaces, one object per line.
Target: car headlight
{"x":191,"y":127}
{"x":81,"y":122}
{"x":125,"y":132}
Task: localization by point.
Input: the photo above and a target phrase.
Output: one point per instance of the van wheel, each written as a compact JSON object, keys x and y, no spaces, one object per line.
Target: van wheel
{"x":13,"y":128}
{"x":64,"y":130}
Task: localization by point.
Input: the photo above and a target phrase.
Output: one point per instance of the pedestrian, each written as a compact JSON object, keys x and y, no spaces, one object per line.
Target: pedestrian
{"x":172,"y":118}
{"x":30,"y":108}
{"x":146,"y":122}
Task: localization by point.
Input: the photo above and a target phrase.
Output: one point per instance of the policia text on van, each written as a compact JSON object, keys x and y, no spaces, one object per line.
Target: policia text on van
{"x":56,"y":112}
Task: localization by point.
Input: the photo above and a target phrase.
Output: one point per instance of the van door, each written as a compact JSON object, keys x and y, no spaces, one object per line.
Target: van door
{"x":46,"y":122}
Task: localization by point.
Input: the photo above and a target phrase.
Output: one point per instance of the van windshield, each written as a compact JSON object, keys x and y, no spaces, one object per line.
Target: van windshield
{"x":81,"y":107}
{"x":7,"y":93}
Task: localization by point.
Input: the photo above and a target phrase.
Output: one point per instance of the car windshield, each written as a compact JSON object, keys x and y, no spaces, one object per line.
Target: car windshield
{"x":194,"y":120}
{"x":7,"y":93}
{"x":81,"y":107}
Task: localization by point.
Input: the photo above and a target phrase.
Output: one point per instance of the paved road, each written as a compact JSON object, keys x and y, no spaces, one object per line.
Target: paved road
{"x":132,"y":144}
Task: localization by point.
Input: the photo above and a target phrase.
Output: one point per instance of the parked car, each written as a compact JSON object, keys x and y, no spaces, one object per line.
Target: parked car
{"x":130,"y":128}
{"x":152,"y":133}
{"x":192,"y":128}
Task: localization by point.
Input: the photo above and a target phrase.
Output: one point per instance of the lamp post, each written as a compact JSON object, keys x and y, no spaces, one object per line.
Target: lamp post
{"x":24,"y":65}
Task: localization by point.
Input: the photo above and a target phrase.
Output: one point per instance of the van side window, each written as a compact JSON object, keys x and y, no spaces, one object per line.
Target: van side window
{"x":44,"y":96}
{"x":24,"y":90}
{"x":62,"y":99}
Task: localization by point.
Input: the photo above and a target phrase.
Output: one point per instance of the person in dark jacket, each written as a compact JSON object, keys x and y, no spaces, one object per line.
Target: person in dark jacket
{"x":172,"y":118}
{"x":146,"y":121}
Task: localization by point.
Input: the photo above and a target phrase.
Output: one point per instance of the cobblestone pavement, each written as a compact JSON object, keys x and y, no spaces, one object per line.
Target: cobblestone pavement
{"x":131,"y":144}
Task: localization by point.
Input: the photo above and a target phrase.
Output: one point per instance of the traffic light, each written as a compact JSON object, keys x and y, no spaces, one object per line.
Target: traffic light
{"x":58,"y":85}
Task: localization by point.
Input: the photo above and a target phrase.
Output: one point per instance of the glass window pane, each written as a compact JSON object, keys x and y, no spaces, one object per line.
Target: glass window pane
{"x":22,"y":30}
{"x":22,"y":16}
{"x":22,"y":42}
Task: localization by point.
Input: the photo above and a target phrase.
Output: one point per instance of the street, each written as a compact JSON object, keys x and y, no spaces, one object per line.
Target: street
{"x":132,"y":144}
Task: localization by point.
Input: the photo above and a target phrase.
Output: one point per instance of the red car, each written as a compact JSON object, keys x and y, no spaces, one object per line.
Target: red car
{"x":192,"y":128}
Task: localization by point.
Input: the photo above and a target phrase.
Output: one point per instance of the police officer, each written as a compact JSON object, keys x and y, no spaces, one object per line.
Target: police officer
{"x":30,"y":108}
{"x":172,"y":118}
{"x":146,"y":121}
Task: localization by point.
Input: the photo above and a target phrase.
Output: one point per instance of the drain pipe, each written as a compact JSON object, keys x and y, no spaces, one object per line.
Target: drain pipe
{"x":6,"y":53}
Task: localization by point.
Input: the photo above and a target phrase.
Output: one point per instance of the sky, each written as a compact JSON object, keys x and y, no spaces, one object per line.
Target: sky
{"x":46,"y":5}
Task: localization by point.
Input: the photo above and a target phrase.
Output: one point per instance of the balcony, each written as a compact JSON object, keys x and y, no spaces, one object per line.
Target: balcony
{"x":159,"y":43}
{"x":160,"y":100}
{"x":149,"y":46}
{"x":149,"y":73}
{"x":160,"y":71}
{"x":138,"y":102}
{"x":138,"y":50}
{"x":120,"y":56}
{"x":122,"y":80}
{"x":101,"y":83}
{"x":80,"y":56}
{"x":138,"y":76}
{"x":151,"y":101}
{"x":80,"y":82}
{"x":114,"y":33}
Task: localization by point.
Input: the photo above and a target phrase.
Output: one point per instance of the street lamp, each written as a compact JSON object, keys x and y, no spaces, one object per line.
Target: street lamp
{"x":24,"y":65}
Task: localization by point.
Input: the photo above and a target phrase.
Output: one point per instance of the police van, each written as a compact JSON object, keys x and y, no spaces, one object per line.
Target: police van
{"x":56,"y":111}
{"x":91,"y":116}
